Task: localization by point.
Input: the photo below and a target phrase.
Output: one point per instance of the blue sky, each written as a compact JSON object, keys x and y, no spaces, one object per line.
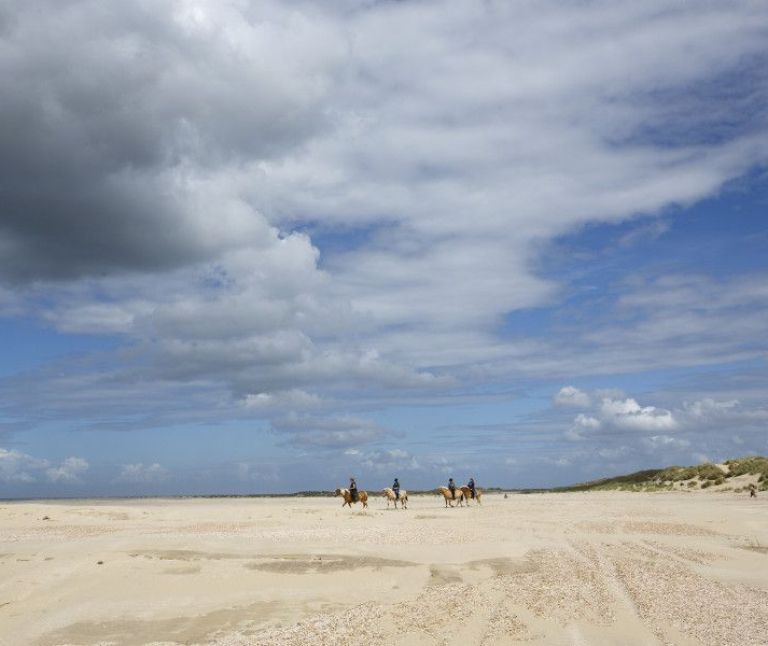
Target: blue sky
{"x":265,"y":246}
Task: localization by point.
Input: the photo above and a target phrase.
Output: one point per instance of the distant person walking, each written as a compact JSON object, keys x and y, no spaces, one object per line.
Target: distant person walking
{"x":752,"y":490}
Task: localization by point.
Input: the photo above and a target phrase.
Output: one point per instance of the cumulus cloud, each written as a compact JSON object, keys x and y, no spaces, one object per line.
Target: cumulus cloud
{"x":572,"y":396}
{"x":70,"y":471}
{"x":299,"y":127}
{"x":16,"y":466}
{"x":136,"y":169}
{"x":141,"y":473}
{"x":628,"y":414}
{"x":581,"y":424}
{"x":622,"y":422}
{"x":285,"y":205}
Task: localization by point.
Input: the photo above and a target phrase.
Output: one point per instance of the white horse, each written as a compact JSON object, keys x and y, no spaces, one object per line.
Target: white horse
{"x":389,"y":494}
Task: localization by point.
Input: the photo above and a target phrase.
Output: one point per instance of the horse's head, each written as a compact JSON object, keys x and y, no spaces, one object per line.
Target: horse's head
{"x":338,"y":493}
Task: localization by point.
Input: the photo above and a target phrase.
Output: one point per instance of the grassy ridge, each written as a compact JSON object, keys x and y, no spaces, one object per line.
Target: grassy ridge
{"x":701,"y":476}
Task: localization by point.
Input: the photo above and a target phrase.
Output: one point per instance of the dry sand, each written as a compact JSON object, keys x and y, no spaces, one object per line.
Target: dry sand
{"x":588,"y":568}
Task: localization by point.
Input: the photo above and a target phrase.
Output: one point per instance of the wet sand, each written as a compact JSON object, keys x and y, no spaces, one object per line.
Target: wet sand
{"x":585,"y":568}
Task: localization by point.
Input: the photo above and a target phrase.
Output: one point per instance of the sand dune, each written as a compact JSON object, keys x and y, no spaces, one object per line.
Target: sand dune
{"x":586,"y":568}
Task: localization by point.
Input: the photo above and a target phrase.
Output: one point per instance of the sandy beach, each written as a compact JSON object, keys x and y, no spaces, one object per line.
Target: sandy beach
{"x":586,"y":568}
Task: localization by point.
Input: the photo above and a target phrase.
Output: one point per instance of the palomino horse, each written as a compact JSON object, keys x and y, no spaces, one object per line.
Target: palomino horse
{"x":362,"y":497}
{"x":389,"y":494}
{"x":449,"y":498}
{"x":468,"y":494}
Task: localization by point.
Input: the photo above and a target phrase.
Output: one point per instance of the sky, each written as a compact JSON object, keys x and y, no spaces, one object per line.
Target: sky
{"x":264,"y":246}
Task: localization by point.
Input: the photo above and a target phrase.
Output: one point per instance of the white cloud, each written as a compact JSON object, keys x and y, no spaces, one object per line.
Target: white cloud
{"x":443,"y":143}
{"x":704,"y":417}
{"x":586,"y":421}
{"x":448,"y":206}
{"x":16,"y":466}
{"x":572,"y":396}
{"x":582,"y":423}
{"x":19,"y":467}
{"x":68,"y":472}
{"x":628,"y":414}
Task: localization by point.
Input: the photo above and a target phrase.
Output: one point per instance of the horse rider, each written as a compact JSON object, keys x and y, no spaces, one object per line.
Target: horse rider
{"x":452,"y":487}
{"x":396,"y":488}
{"x":353,"y":489}
{"x":471,"y":485}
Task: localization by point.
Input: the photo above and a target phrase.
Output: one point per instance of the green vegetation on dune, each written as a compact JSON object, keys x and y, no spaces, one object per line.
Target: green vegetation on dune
{"x":677,"y":478}
{"x":752,"y":465}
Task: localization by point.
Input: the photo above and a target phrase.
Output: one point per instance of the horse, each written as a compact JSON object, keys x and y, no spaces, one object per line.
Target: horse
{"x":389,"y":494}
{"x":468,"y":494}
{"x":362,"y":497}
{"x":449,"y":498}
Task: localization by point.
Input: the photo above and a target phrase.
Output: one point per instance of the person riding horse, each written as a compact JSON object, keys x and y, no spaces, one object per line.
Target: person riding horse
{"x":452,"y":487}
{"x":396,"y":488}
{"x":353,"y":489}
{"x":471,"y":485}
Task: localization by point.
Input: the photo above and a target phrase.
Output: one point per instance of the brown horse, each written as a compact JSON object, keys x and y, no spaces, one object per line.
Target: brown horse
{"x":449,"y":498}
{"x":362,"y":497}
{"x":468,"y":494}
{"x":389,"y":494}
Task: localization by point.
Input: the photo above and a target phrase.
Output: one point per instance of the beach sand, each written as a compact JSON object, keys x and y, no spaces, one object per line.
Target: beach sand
{"x":578,"y":568}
